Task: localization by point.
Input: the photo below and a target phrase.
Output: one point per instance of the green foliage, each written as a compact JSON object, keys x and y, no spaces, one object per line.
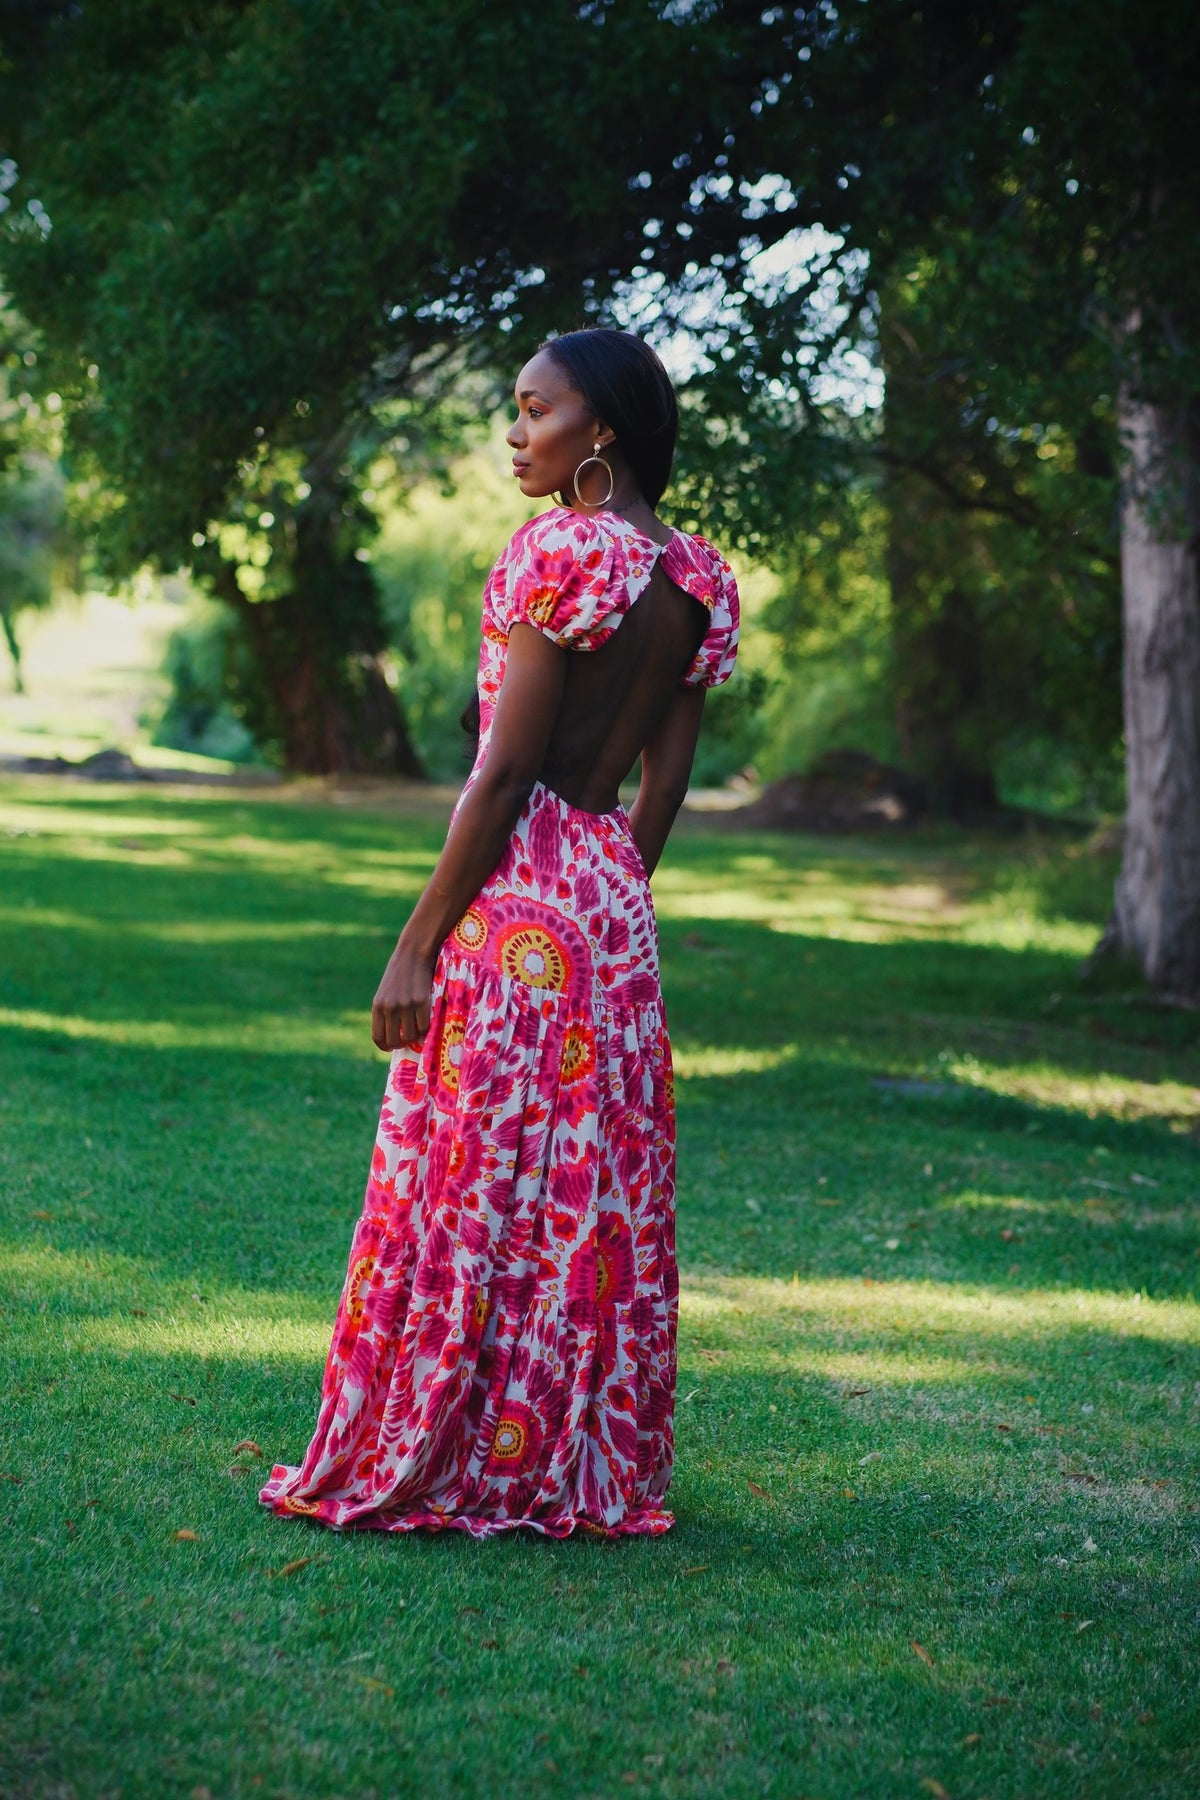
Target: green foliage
{"x":201,"y":666}
{"x":33,"y":538}
{"x":264,"y":227}
{"x":875,"y":1280}
{"x":437,"y":544}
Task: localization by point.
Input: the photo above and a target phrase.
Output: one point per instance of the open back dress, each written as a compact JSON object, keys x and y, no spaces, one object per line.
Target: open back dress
{"x":504,"y":1351}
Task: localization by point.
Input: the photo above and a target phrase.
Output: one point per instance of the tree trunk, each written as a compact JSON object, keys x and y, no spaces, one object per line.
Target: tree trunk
{"x":14,"y":650}
{"x":937,"y":648}
{"x":312,"y":681}
{"x":1156,"y":914}
{"x":940,"y":675}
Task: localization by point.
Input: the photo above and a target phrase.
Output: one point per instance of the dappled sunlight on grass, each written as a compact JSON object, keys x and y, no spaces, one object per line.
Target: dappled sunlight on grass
{"x":282,"y":1034}
{"x":1042,"y":1084}
{"x":917,"y":1307}
{"x":230,"y":1336}
{"x":938,"y":1343}
{"x":705,"y":1063}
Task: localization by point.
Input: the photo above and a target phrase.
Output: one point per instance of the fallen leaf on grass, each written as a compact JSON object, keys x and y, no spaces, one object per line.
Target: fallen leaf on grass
{"x":853,"y":1393}
{"x":971,"y":1741}
{"x":849,"y":1494}
{"x":1146,"y":1718}
{"x":186,"y":1398}
{"x":247,"y":1444}
{"x":187,"y":1537}
{"x":725,"y":1667}
{"x":695,"y":1569}
{"x":760,"y":1493}
{"x":139,"y":1312}
{"x":921,"y":1651}
{"x":239,"y":1469}
{"x":41,"y":1215}
{"x":18,"y":1479}
{"x":997,"y":1700}
{"x":1003,"y":1427}
{"x":934,"y":1787}
{"x":871,"y":1456}
{"x":72,"y":1528}
{"x":369,"y":1681}
{"x":1080,"y":1475}
{"x":292,"y":1568}
{"x":1008,"y":1235}
{"x":1144,"y":1180}
{"x":1083,"y":1625}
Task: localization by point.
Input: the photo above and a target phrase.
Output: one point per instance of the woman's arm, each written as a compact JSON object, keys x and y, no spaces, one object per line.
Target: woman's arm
{"x":666,"y":768}
{"x":526,"y":709}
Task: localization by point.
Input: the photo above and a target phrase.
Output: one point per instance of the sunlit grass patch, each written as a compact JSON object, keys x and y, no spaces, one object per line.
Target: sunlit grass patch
{"x":1043,"y":1084}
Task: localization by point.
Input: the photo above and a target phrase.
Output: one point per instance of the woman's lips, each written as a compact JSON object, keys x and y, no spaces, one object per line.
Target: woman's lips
{"x":519,"y":468}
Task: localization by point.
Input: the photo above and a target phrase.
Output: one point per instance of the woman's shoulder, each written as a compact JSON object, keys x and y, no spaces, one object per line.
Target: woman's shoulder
{"x":571,"y":574}
{"x":559,"y":528}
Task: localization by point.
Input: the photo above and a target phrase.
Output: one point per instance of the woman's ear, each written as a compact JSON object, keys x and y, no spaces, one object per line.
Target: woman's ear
{"x":602,"y":435}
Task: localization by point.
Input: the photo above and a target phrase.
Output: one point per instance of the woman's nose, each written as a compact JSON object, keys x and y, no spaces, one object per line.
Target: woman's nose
{"x":514,"y":437}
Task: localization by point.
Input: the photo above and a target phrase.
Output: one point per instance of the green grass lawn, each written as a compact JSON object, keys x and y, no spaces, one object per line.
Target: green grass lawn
{"x":937,"y":1450}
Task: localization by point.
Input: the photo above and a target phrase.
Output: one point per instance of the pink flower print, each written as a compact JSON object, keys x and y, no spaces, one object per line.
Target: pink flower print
{"x":570,"y":1192}
{"x":601,"y":1271}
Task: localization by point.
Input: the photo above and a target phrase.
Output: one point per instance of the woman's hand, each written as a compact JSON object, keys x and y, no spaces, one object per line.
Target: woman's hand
{"x":400,"y":1010}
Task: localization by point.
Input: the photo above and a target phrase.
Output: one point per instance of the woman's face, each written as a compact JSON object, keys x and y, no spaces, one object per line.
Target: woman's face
{"x":554,"y":430}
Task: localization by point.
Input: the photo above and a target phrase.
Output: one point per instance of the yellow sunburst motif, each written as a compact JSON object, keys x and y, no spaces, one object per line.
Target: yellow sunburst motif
{"x":578,"y":1055}
{"x":480,"y":1308}
{"x":471,"y":930}
{"x":509,"y":1442}
{"x":356,"y":1289}
{"x":450,"y":1051}
{"x":669,"y":1090}
{"x":302,"y":1506}
{"x":531,"y":955}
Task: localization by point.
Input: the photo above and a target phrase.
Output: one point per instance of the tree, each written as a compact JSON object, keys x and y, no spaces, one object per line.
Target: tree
{"x":1036,"y":159}
{"x":262,"y":226}
{"x":33,"y":537}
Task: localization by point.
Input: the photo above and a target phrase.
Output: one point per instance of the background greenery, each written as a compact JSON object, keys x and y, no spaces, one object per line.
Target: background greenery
{"x":903,"y":272}
{"x":937,"y":1457}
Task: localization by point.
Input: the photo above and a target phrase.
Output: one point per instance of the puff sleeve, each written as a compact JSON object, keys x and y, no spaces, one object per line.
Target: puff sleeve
{"x":703,"y":572}
{"x":572,"y":580}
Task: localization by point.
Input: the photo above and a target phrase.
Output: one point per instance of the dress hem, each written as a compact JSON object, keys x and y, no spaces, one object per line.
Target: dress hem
{"x":646,"y":1521}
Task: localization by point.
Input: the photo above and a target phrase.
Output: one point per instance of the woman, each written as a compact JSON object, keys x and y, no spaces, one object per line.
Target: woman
{"x":504,"y":1352}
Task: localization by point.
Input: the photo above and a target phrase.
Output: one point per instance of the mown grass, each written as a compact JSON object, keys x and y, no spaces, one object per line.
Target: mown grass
{"x":936,"y":1482}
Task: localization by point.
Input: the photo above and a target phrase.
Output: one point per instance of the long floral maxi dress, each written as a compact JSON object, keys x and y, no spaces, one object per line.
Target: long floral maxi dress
{"x":504,"y":1352}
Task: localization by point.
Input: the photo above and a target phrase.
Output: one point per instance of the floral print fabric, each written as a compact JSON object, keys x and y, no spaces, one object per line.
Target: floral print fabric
{"x":504,"y":1350}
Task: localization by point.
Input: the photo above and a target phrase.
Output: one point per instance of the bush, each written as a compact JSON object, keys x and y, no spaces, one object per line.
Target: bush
{"x":199,"y":663}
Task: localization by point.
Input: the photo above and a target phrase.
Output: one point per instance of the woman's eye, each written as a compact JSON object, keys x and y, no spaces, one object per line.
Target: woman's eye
{"x":535,"y":412}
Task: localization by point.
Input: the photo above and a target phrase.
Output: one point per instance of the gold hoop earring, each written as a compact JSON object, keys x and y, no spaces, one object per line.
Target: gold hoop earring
{"x":607,"y":467}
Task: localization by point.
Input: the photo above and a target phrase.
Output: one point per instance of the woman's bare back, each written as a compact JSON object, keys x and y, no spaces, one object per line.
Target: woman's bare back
{"x":614,"y":699}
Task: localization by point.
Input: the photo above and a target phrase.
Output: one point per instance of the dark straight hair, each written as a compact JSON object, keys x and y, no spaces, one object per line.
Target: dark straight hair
{"x":625,"y":384}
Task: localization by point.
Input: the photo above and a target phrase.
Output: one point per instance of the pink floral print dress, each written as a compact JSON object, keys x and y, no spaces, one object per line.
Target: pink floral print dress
{"x":504,"y":1351}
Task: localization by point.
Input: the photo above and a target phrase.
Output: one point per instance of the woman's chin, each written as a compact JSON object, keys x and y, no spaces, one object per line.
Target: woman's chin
{"x":533,"y":487}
